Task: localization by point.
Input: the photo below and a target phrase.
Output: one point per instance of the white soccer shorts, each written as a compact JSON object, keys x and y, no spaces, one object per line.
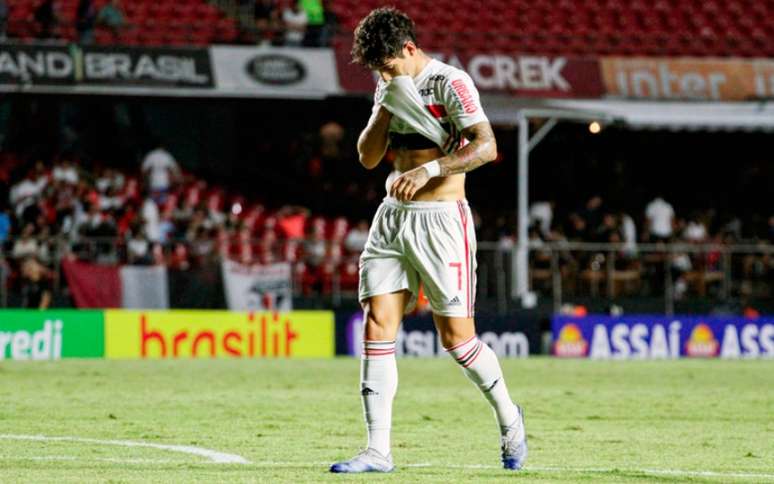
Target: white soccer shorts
{"x":431,"y":242}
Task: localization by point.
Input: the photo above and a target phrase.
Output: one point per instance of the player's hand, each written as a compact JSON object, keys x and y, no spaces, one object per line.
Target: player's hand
{"x":408,"y":184}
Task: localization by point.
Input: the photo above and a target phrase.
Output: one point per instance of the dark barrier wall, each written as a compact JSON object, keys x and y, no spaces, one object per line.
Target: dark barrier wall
{"x":511,"y":335}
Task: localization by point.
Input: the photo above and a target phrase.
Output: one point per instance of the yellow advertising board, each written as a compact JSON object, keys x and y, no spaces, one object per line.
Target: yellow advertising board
{"x":211,"y":334}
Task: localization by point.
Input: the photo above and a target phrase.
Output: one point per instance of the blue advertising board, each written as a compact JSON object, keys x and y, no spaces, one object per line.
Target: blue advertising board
{"x":509,"y":335}
{"x":662,"y":337}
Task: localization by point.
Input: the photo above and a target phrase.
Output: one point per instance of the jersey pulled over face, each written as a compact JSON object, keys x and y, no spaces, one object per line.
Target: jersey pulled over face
{"x":450,"y":96}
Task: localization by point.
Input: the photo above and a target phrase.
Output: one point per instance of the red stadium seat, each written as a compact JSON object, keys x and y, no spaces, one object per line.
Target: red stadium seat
{"x":616,"y":27}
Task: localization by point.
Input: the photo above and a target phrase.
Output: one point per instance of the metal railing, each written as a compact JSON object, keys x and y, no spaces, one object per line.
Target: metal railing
{"x":673,"y":272}
{"x":559,"y":272}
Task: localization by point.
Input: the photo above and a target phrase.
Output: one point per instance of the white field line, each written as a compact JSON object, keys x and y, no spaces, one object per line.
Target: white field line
{"x":223,"y":458}
{"x":604,"y":470}
{"x":212,"y":455}
{"x":580,"y":470}
{"x":73,"y":458}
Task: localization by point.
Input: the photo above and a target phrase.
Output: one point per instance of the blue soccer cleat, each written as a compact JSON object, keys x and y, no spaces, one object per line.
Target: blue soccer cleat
{"x":367,"y":461}
{"x":514,"y":444}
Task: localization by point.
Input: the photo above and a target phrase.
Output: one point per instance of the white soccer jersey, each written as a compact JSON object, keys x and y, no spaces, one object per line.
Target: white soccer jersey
{"x":432,"y":242}
{"x":449,"y":95}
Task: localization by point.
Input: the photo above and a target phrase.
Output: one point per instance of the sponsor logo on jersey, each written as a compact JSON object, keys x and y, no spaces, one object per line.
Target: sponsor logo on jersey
{"x":464,"y":95}
{"x":702,"y":342}
{"x":571,"y":342}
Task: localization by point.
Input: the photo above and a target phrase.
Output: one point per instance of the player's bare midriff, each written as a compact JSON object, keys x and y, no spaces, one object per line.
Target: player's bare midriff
{"x":438,"y":189}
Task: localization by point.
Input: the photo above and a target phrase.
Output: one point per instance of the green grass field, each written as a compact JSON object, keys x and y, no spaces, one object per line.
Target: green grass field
{"x":587,"y":421}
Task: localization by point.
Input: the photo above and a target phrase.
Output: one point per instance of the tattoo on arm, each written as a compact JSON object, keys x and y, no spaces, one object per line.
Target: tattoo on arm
{"x":481,"y":150}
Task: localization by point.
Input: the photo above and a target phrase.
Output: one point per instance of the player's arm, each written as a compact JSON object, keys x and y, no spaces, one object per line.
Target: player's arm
{"x":373,"y":140}
{"x":481,"y":150}
{"x":465,"y":111}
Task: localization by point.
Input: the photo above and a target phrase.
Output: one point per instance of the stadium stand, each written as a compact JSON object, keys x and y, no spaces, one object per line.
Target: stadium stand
{"x":584,"y":27}
{"x":148,"y":22}
{"x":105,"y":215}
{"x":579,"y":27}
{"x":101,"y":215}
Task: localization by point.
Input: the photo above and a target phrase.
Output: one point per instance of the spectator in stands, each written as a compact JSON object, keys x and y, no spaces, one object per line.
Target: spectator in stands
{"x":25,"y":193}
{"x":291,"y":220}
{"x":44,"y":254}
{"x":65,"y":172}
{"x":607,"y":230}
{"x":660,"y":218}
{"x":695,"y":230}
{"x":3,"y":19}
{"x":628,"y":234}
{"x":592,"y":213}
{"x":85,"y":18}
{"x":108,"y":180}
{"x":315,"y":20}
{"x":5,"y":225}
{"x":88,"y":219}
{"x":162,"y":171}
{"x":266,"y":17}
{"x":576,"y":228}
{"x":112,"y":200}
{"x":138,"y":247}
{"x":680,"y":265}
{"x":542,"y":214}
{"x":357,"y":237}
{"x":332,"y":137}
{"x":35,"y":285}
{"x":247,"y":253}
{"x":45,"y":18}
{"x":202,"y":245}
{"x":167,"y":229}
{"x":315,"y":248}
{"x":41,"y":175}
{"x":296,"y":21}
{"x":26,"y":245}
{"x":151,"y":219}
{"x":111,"y":16}
{"x":331,"y":26}
{"x":102,"y":227}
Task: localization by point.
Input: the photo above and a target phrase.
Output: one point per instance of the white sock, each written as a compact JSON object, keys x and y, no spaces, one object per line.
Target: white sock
{"x":480,"y":365}
{"x":378,"y":384}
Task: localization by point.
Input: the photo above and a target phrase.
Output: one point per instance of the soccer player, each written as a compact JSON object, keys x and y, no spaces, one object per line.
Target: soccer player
{"x":423,"y":231}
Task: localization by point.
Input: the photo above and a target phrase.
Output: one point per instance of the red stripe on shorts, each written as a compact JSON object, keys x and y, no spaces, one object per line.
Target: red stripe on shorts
{"x":464,"y":219}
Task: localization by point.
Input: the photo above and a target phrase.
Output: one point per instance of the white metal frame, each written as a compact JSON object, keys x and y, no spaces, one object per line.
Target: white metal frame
{"x":520,"y":263}
{"x":709,"y":116}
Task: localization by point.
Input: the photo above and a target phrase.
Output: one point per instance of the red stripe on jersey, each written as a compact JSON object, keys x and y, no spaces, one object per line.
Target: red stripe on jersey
{"x":437,"y":110}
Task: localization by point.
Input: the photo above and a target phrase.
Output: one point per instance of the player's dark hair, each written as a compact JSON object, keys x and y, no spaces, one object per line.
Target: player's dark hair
{"x":380,"y":36}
